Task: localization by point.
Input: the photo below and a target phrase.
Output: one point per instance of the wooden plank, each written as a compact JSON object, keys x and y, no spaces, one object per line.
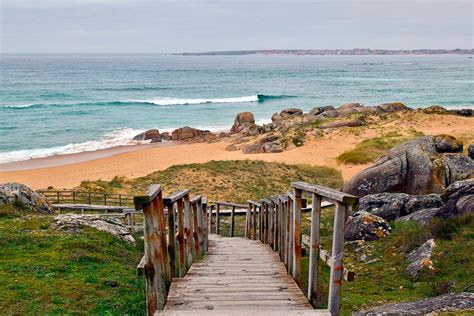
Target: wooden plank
{"x":197,"y":243}
{"x":327,"y":193}
{"x":335,"y":281}
{"x":188,"y":231}
{"x":217,"y":219}
{"x":222,"y":203}
{"x":151,"y":193}
{"x":196,"y":199}
{"x":314,"y":247}
{"x":171,"y":240}
{"x":141,"y":266}
{"x":181,"y":248}
{"x":297,"y":237}
{"x":232,"y":222}
{"x":175,"y":196}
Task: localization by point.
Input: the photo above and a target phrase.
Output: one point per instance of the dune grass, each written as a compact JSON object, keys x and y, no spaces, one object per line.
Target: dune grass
{"x":236,"y":181}
{"x":371,"y":149}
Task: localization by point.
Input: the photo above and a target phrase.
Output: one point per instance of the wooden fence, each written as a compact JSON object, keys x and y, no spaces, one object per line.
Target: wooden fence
{"x":182,"y":227}
{"x":80,"y":197}
{"x":277,"y":221}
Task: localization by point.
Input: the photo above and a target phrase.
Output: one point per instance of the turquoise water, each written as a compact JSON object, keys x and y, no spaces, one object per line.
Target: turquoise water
{"x":53,"y":104}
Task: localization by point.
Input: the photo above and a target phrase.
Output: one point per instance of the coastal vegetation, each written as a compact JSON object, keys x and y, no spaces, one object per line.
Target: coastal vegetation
{"x":54,"y":272}
{"x":371,"y":149}
{"x":234,"y":180}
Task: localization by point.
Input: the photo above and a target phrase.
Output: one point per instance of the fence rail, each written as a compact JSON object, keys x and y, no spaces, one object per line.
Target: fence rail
{"x":82,"y":197}
{"x":182,"y":227}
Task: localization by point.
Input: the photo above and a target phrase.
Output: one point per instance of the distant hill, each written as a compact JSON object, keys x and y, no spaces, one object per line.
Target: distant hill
{"x":354,"y":51}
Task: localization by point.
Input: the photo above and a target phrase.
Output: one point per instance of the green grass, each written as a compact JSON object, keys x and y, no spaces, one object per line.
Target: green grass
{"x":49,"y":272}
{"x":371,"y":149}
{"x":381,"y":279}
{"x":235,"y":181}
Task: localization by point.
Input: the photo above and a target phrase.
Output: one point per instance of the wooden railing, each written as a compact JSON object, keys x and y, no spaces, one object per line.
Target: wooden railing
{"x":279,"y":225}
{"x":81,"y":197}
{"x":219,"y":205}
{"x":161,"y":239}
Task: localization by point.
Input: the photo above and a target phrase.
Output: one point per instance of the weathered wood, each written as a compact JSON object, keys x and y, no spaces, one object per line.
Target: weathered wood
{"x":182,"y":250}
{"x":217,"y":219}
{"x":297,"y":237}
{"x":175,"y":196}
{"x":247,"y":220}
{"x":151,"y":193}
{"x":230,"y":204}
{"x":290,"y":234}
{"x":232,"y":222}
{"x":172,"y":240}
{"x":197,"y":243}
{"x":155,"y":279}
{"x":188,"y":230}
{"x":254,"y":222}
{"x":314,"y":247}
{"x":328,"y":193}
{"x":196,"y":199}
{"x":260,"y":223}
{"x":336,"y":264}
{"x":220,"y":284}
{"x":201,"y":228}
{"x":158,"y":205}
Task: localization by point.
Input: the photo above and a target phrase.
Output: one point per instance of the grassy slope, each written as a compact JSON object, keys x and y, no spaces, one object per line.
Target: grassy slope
{"x":234,"y":181}
{"x":44,"y":271}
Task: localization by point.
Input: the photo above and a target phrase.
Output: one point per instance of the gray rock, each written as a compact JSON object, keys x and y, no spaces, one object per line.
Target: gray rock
{"x":349,"y":106}
{"x":421,"y":217}
{"x":74,"y":222}
{"x":351,"y":123}
{"x":320,"y":109}
{"x":462,"y":112}
{"x":151,"y":134}
{"x":272,"y":147}
{"x":252,"y":149}
{"x":459,"y":199}
{"x":391,"y":206}
{"x":365,"y":226}
{"x":232,"y":147}
{"x":422,"y":166}
{"x":291,"y":112}
{"x":470,"y":151}
{"x":240,"y":120}
{"x":451,"y":302}
{"x":420,"y":259}
{"x":393,"y":107}
{"x":13,"y":193}
{"x":435,"y":109}
{"x":327,"y":114}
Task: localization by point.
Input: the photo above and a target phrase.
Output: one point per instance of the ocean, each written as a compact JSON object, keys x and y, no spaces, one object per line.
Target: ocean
{"x":54,"y":104}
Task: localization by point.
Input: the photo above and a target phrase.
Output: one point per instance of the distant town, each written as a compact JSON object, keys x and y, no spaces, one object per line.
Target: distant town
{"x":355,"y":51}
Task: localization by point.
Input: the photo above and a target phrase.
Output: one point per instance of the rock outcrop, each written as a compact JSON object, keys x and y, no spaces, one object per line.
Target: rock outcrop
{"x":253,"y":149}
{"x":16,"y":193}
{"x":365,"y":226}
{"x":151,"y":134}
{"x":421,"y":217}
{"x":241,"y":121}
{"x":74,"y":222}
{"x":393,"y":107}
{"x":470,"y":151}
{"x":451,"y":302}
{"x":286,"y":114}
{"x":420,"y":259}
{"x":425,"y":165}
{"x":187,"y":133}
{"x":391,"y":206}
{"x":351,"y":123}
{"x":459,"y":199}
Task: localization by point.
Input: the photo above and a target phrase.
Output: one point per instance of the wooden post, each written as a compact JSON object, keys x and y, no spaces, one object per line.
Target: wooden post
{"x":247,"y":221}
{"x":336,"y":261}
{"x":254,"y":223}
{"x":90,"y":202}
{"x":73,"y":197}
{"x":155,"y":276}
{"x":217,"y":219}
{"x":171,"y":240}
{"x":188,"y":230}
{"x":266,"y":224}
{"x":205,"y":227}
{"x":260,"y":223}
{"x":58,"y":197}
{"x":158,"y":205}
{"x":105,"y":199}
{"x":182,"y":264}
{"x":272,"y":225}
{"x":314,"y":248}
{"x":232,"y":221}
{"x":201,"y":228}
{"x":197,"y":243}
{"x":120,"y":200}
{"x":209,"y":218}
{"x":290,"y":236}
{"x":297,"y":237}
{"x":284,"y":234}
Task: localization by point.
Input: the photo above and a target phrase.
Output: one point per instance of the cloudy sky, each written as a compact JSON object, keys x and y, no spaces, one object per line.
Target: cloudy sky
{"x":162,"y":26}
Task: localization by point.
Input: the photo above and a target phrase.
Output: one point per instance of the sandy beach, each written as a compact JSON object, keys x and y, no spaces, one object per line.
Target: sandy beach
{"x":69,"y":170}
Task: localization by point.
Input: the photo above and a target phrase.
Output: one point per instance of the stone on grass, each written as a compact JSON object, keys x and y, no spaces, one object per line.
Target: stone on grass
{"x":17,"y":193}
{"x":73,"y":223}
{"x":420,"y":259}
{"x":365,"y":226}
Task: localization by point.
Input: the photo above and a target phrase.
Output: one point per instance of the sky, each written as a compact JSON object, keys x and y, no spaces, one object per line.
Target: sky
{"x":165,"y":26}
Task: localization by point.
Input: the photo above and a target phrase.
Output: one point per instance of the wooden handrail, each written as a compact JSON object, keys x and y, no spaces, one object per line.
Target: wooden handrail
{"x":230,"y":204}
{"x":84,"y":197}
{"x":159,"y":264}
{"x":196,"y":199}
{"x":327,"y":193}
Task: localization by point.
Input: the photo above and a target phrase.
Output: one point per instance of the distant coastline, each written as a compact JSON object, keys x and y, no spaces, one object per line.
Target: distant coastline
{"x":354,"y":51}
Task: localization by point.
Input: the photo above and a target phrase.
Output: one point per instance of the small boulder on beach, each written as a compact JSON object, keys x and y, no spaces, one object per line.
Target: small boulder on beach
{"x":151,"y":134}
{"x":241,"y":121}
